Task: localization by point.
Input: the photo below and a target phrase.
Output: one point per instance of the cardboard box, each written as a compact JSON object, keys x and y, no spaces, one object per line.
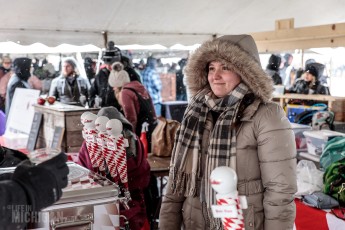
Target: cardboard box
{"x":317,"y":139}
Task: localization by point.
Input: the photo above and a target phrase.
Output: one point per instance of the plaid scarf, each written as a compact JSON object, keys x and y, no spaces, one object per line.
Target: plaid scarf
{"x":186,"y":157}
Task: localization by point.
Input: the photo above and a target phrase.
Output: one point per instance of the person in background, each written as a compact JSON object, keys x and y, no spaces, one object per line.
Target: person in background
{"x":34,"y":81}
{"x":153,"y":84}
{"x":21,"y":69}
{"x":309,"y":82}
{"x":30,"y":188}
{"x":231,"y":121}
{"x":70,"y":87}
{"x":101,"y":94}
{"x":50,"y":74}
{"x":129,"y":68}
{"x":181,"y":93}
{"x":287,"y":71}
{"x":5,"y":74}
{"x":135,"y":101}
{"x":90,"y":66}
{"x":138,"y":170}
{"x":272,"y":69}
{"x":173,"y":68}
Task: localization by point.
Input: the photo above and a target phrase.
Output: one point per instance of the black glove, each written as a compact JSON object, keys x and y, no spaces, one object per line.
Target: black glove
{"x":44,"y":182}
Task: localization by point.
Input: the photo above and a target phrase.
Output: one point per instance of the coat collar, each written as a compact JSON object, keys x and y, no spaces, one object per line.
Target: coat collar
{"x":249,"y":112}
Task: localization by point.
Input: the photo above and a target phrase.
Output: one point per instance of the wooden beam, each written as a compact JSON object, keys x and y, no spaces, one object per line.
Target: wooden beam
{"x":332,"y":35}
{"x":285,"y":24}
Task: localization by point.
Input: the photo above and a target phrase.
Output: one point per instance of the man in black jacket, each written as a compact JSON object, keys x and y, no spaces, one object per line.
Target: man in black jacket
{"x":101,"y":94}
{"x":30,"y":188}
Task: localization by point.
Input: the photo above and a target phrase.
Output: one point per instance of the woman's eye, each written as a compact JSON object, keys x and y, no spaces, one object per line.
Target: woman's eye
{"x":210,"y":69}
{"x":225,"y":68}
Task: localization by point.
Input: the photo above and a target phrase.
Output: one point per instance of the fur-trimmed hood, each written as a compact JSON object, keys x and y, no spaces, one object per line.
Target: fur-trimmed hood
{"x":239,"y":53}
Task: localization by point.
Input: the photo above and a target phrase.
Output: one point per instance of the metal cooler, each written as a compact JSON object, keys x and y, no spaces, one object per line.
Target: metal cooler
{"x":89,"y":201}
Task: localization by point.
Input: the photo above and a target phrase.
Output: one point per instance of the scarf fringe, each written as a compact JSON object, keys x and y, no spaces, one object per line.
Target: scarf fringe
{"x":184,"y":183}
{"x":216,"y":224}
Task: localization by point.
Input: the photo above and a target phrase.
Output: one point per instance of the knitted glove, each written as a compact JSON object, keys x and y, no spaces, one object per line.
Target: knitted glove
{"x":44,"y":182}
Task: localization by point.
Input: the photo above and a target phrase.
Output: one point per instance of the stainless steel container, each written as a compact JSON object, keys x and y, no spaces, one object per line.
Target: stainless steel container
{"x":90,"y":201}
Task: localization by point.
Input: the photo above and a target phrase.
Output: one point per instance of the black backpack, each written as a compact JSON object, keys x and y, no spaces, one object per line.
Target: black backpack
{"x":145,"y":115}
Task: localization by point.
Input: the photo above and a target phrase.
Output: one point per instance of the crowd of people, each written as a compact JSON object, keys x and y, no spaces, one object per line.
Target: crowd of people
{"x":307,"y":80}
{"x":230,"y":121}
{"x":133,"y":96}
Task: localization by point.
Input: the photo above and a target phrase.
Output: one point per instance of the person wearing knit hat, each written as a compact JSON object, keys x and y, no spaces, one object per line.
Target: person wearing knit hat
{"x":70,"y":87}
{"x":134,"y":99}
{"x":118,"y":76}
{"x":231,"y":121}
{"x":138,"y":170}
{"x":21,"y":69}
{"x":272,"y":69}
{"x":309,"y":82}
{"x":101,"y":93}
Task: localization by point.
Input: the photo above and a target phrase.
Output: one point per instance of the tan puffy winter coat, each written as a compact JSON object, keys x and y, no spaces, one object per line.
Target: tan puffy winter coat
{"x":266,"y":151}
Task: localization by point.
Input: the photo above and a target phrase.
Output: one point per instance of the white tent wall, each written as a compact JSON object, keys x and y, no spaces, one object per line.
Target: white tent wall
{"x":148,"y":22}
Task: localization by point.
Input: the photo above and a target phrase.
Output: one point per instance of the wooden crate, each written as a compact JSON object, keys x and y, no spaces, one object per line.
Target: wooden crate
{"x":66,"y":117}
{"x":338,"y":107}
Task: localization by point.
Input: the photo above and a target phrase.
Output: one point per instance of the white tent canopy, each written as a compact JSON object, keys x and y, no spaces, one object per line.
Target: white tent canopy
{"x":12,"y":47}
{"x":148,"y":22}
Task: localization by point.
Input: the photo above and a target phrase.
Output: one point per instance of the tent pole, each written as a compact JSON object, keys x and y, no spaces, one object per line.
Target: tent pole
{"x":105,"y":38}
{"x":98,"y":61}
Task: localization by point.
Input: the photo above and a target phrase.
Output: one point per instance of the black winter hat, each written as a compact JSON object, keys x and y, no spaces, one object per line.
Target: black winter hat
{"x":318,"y":67}
{"x":111,"y":54}
{"x":113,"y":113}
{"x":21,"y":67}
{"x":274,"y":62}
{"x":88,"y":61}
{"x":313,"y":71}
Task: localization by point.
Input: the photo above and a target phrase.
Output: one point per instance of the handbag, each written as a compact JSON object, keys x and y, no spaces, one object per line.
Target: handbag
{"x":163,"y":137}
{"x":320,"y":200}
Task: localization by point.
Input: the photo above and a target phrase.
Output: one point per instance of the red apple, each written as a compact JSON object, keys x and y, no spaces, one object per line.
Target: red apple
{"x":51,"y":99}
{"x":41,"y":101}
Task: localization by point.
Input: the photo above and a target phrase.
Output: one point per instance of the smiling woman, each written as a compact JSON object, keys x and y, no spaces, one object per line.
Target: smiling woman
{"x":230,"y":121}
{"x":221,"y":79}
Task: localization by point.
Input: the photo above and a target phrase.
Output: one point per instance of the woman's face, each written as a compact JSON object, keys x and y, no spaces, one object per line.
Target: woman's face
{"x":67,"y":69}
{"x":6,"y":63}
{"x":308,"y":77}
{"x":221,"y":79}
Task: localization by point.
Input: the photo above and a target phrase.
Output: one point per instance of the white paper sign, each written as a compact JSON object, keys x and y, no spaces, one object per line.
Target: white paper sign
{"x":22,"y":112}
{"x":220,"y":211}
{"x":100,"y":141}
{"x":90,"y":138}
{"x":111,"y":146}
